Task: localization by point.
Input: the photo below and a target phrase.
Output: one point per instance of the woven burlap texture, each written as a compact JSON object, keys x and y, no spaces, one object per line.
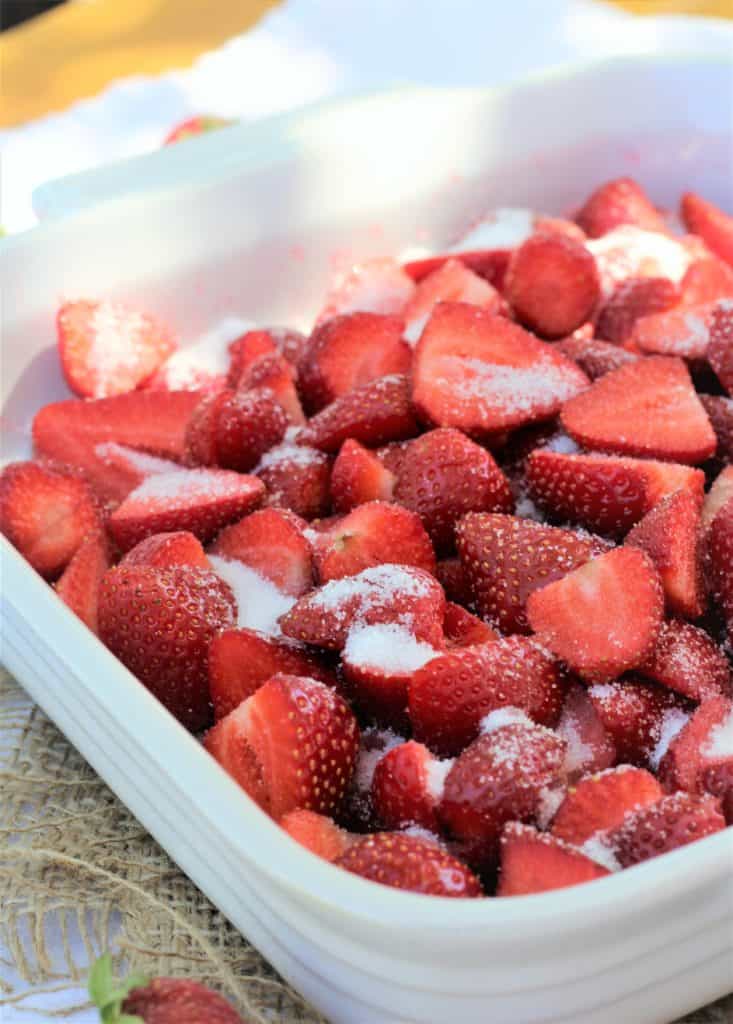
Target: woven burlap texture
{"x":69,"y":849}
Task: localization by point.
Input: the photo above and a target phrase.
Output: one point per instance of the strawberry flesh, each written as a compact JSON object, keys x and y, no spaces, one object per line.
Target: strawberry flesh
{"x":373,"y":414}
{"x":297,"y":478}
{"x":709,"y":222}
{"x":272,"y":542}
{"x":317,"y":833}
{"x":600,"y":802}
{"x":406,"y":787}
{"x":79,"y":584}
{"x":358,"y":476}
{"x":532,"y":861}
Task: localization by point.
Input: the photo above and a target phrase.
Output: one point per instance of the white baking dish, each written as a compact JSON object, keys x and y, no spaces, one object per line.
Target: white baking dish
{"x":258,"y":237}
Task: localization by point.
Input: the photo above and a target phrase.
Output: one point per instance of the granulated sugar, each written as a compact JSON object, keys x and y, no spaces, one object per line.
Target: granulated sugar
{"x":388,"y":647}
{"x":259,"y":602}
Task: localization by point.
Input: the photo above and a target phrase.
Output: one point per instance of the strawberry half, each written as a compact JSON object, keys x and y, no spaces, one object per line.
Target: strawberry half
{"x":719,"y":495}
{"x":603,"y":618}
{"x":443,"y":475}
{"x":317,"y":833}
{"x":407,"y":786}
{"x":552,"y":284}
{"x":241,"y":660}
{"x":358,"y":476}
{"x":451,"y":282}
{"x":374,"y":286}
{"x":159,"y":623}
{"x":600,"y":802}
{"x":720,"y":414}
{"x":641,"y":718}
{"x":707,"y":280}
{"x":406,"y":862}
{"x":107,"y":349}
{"x":590,"y":747}
{"x":617,"y":202}
{"x":648,"y":408}
{"x":275,"y":374}
{"x":671,"y":822}
{"x":234,"y":429}
{"x":370,"y":535}
{"x":78,"y":586}
{"x":167,"y":550}
{"x":632,"y":300}
{"x":720,"y":349}
{"x":297,"y":478}
{"x":482,"y":374}
{"x":595,"y":358}
{"x":721,"y":560}
{"x":505,"y":559}
{"x":462,"y":629}
{"x":709,"y":222}
{"x":688,"y":661}
{"x":291,"y":745}
{"x":532,"y":861}
{"x":357,"y":813}
{"x":375,"y":413}
{"x":451,"y":695}
{"x":272,"y":542}
{"x":678,"y":332}
{"x":45,"y":515}
{"x":687,"y":758}
{"x":247,"y":350}
{"x":630,"y":251}
{"x":348,"y":351}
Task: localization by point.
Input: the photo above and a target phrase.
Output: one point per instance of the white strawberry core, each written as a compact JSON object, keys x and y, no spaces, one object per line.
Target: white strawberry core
{"x":720,"y":740}
{"x":207,"y":356}
{"x":504,"y":228}
{"x":259,"y":602}
{"x":390,"y":648}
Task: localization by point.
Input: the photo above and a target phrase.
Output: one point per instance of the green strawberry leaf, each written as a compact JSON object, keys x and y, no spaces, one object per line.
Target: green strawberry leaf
{"x":100,"y":981}
{"x":109,"y":996}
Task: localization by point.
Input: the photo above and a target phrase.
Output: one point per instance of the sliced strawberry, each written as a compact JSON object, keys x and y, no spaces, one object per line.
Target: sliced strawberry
{"x":604,"y":493}
{"x":589,"y":744}
{"x":199,"y":500}
{"x":159,"y":623}
{"x":407,"y":786}
{"x":641,"y":717}
{"x":600,"y":802}
{"x":721,"y":561}
{"x":648,"y":408}
{"x":719,"y":495}
{"x":196,"y":125}
{"x":357,"y":813}
{"x":349,"y":351}
{"x":595,"y":358}
{"x":499,"y":778}
{"x":385,"y":594}
{"x":79,"y":584}
{"x":687,"y":660}
{"x":373,"y":414}
{"x":707,"y":280}
{"x":482,"y":374}
{"x":603,"y":618}
{"x":291,"y":745}
{"x":122,"y":469}
{"x":277,"y":375}
{"x":241,"y":660}
{"x":201,"y":432}
{"x":462,"y":629}
{"x":374,"y":286}
{"x":686,"y":760}
{"x":358,"y":476}
{"x":271,"y":541}
{"x":247,"y":350}
{"x":505,"y":559}
{"x":630,"y":251}
{"x":632,"y":300}
{"x":450,"y":695}
{"x":678,"y":332}
{"x":45,"y":515}
{"x":406,"y":862}
{"x":671,"y":822}
{"x":372,"y":534}
{"x":234,"y":429}
{"x":167,"y":550}
{"x":720,"y":414}
{"x":443,"y":475}
{"x":317,"y":833}
{"x":452,"y":282}
{"x":709,"y":222}
{"x":453,"y":579}
{"x":107,"y":349}
{"x":162,"y":1000}
{"x":720,"y":349}
{"x":617,"y":202}
{"x":671,"y":536}
{"x":718,"y":780}
{"x":297,"y":478}
{"x":552,"y":284}
{"x":532,"y":861}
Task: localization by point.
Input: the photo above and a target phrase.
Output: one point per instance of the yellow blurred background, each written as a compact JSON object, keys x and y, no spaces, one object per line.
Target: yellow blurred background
{"x":75,"y":50}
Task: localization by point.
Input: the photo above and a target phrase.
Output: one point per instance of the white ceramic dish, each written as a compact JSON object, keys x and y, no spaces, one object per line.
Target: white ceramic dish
{"x":257,"y":237}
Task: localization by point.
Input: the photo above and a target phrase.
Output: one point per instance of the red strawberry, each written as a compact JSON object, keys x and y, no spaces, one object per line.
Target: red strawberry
{"x":451,"y":282}
{"x":505,"y":559}
{"x":707,"y":280}
{"x":462,"y":629}
{"x":595,"y":358}
{"x":372,"y":534}
{"x":720,"y":349}
{"x":358,"y":476}
{"x":600,"y":802}
{"x":642,"y":718}
{"x":275,"y":374}
{"x":316,"y":833}
{"x":720,"y":414}
{"x":671,"y":536}
{"x":632,"y":300}
{"x":196,"y":125}
{"x":235,"y":428}
{"x":450,"y":695}
{"x":709,"y":222}
{"x":718,"y":780}
{"x":45,"y":515}
{"x":442,"y":475}
{"x":603,"y":618}
{"x":673,"y":821}
{"x":532,"y":861}
{"x":552,"y":284}
{"x":201,"y":432}
{"x":291,"y":745}
{"x":687,"y":660}
{"x":349,"y":351}
{"x":500,"y":777}
{"x":721,"y":561}
{"x":604,"y":493}
{"x":271,"y":541}
{"x":107,"y":349}
{"x":159,"y":622}
{"x":482,"y":374}
{"x":621,"y":201}
{"x":407,"y":786}
{"x":452,"y":578}
{"x":78,"y":587}
{"x":241,"y":660}
{"x":678,"y":332}
{"x":167,"y":550}
{"x":630,"y":251}
{"x":687,"y":759}
{"x":198,"y":500}
{"x":589,"y":744}
{"x":357,"y":813}
{"x":719,"y":494}
{"x":384,"y":594}
{"x":648,"y":408}
{"x":375,"y":286}
{"x":247,"y":350}
{"x":373,"y":414}
{"x":297,"y":478}
{"x":406,"y":862}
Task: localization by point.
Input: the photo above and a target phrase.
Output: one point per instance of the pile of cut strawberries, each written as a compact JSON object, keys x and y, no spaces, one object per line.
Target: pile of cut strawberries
{"x":446,"y":586}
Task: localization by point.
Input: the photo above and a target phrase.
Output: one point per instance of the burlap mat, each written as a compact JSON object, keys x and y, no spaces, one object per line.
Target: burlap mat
{"x":70,"y":851}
